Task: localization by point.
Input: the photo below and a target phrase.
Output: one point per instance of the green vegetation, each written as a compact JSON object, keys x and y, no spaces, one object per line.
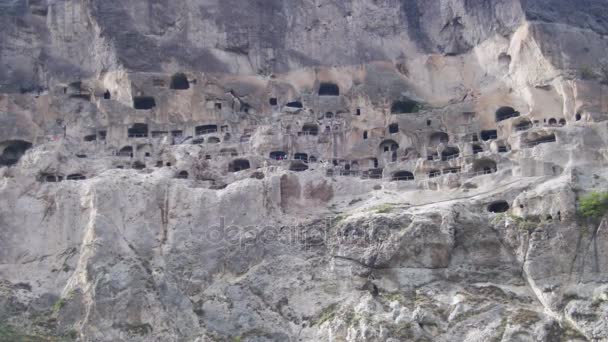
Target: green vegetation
{"x":393,"y":297}
{"x":525,"y":318}
{"x":569,"y":332}
{"x":587,"y":73}
{"x":524,"y":224}
{"x":334,"y":221}
{"x":404,"y":332}
{"x":593,"y":205}
{"x":383,"y":208}
{"x":417,"y":108}
{"x":351,"y":318}
{"x":500,"y":331}
{"x":11,"y":334}
{"x":62,"y":302}
{"x":71,"y":334}
{"x":327,"y":314}
{"x":604,"y":72}
{"x":584,"y":230}
{"x":252,"y":333}
{"x":59,"y":305}
{"x":7,"y":333}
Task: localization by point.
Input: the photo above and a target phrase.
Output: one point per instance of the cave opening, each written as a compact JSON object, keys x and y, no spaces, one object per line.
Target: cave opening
{"x":310,"y":129}
{"x":393,"y":128}
{"x":126,"y":151}
{"x":329,"y":89}
{"x":138,"y":130}
{"x":75,"y":177}
{"x":402,"y":176}
{"x":452,"y":170}
{"x":138,"y":165}
{"x":405,"y":107}
{"x":179,"y":81}
{"x":144,"y":102}
{"x":298,"y":166}
{"x":49,"y":178}
{"x":205,"y":129}
{"x":437,"y":138}
{"x":523,"y":125}
{"x":489,"y":134}
{"x":484,"y":166}
{"x":434,"y":173}
{"x":295,"y":104}
{"x":13,"y":151}
{"x":90,"y":137}
{"x":450,"y":153}
{"x":504,"y":113}
{"x":542,"y":139}
{"x":239,"y":165}
{"x":389,"y":145}
{"x":375,"y":173}
{"x":301,"y":156}
{"x":498,"y":207}
{"x":278,"y":155}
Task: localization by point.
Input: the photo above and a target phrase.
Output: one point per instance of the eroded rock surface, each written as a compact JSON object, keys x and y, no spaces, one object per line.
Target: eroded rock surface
{"x":356,"y":170}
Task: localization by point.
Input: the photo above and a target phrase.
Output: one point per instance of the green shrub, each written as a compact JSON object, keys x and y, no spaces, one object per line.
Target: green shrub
{"x":524,"y":224}
{"x":335,"y":221}
{"x":593,"y":205}
{"x":587,"y":73}
{"x":604,"y":72}
{"x":383,"y":208}
{"x":327,"y":314}
{"x":7,"y":333}
{"x":59,"y":305}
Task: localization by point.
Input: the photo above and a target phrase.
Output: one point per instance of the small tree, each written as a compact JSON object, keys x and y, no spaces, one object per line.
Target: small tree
{"x":594,"y":205}
{"x":604,"y":72}
{"x":587,"y":73}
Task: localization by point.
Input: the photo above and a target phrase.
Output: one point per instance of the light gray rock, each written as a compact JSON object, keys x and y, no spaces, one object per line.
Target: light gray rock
{"x":302,"y":171}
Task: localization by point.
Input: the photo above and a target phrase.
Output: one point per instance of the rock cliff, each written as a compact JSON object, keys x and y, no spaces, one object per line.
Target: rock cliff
{"x":327,"y":170}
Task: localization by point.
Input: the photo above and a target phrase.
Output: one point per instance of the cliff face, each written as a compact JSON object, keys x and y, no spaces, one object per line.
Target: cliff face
{"x":399,"y":170}
{"x":62,"y":40}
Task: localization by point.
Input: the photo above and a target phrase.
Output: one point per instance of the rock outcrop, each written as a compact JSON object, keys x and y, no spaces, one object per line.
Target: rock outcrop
{"x":327,"y":170}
